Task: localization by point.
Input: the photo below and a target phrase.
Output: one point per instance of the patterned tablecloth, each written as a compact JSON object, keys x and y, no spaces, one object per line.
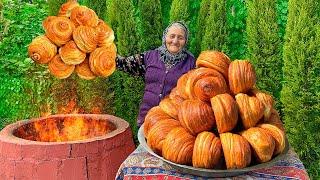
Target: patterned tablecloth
{"x":142,"y":165}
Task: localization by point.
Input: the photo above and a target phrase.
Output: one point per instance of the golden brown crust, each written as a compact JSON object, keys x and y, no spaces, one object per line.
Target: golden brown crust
{"x":242,"y":76}
{"x":214,"y":60}
{"x":66,"y":8}
{"x":204,"y":83}
{"x":158,"y":133}
{"x":154,"y":115}
{"x":83,"y":70}
{"x":278,"y":135}
{"x":196,"y":116}
{"x":102,"y":61}
{"x":59,"y":69}
{"x":236,"y":150}
{"x":105,"y":34}
{"x":250,"y":109}
{"x":86,"y":38}
{"x":261,"y":141}
{"x":42,"y":50}
{"x":207,"y":151}
{"x":82,"y":15}
{"x":267,"y":101}
{"x":169,"y":107}
{"x":59,"y":30}
{"x":225,"y":111}
{"x":71,"y":54}
{"x":178,"y":146}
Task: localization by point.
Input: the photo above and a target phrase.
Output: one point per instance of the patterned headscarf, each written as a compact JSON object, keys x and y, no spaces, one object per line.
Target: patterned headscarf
{"x":168,"y":58}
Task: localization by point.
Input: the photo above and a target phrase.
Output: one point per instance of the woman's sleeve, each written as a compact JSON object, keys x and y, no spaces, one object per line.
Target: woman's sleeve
{"x":132,"y":64}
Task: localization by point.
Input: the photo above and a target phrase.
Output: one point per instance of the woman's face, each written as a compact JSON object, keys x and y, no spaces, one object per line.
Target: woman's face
{"x":175,"y":39}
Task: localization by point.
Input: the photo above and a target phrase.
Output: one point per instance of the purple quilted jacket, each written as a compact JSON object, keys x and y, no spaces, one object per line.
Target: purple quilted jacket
{"x":159,"y":81}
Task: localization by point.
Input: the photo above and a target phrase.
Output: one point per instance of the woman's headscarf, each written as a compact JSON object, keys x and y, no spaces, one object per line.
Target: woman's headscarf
{"x":168,"y":58}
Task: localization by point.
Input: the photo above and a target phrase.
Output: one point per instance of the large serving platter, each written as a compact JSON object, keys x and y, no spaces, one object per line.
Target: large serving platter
{"x":211,"y":172}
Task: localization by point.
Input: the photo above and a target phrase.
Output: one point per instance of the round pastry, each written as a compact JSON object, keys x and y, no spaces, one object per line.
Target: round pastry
{"x":59,"y":69}
{"x":82,"y":15}
{"x":59,"y":30}
{"x":154,"y":115}
{"x":102,"y":61}
{"x":86,"y":38}
{"x":105,"y":34}
{"x":42,"y":50}
{"x":71,"y":54}
{"x":66,"y":8}
{"x":83,"y":70}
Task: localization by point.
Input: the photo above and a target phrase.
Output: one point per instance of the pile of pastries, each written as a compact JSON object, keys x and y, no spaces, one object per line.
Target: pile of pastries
{"x":75,"y":40}
{"x":216,"y":118}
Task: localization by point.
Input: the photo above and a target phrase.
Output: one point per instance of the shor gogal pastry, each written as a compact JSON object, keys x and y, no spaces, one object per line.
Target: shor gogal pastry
{"x":216,"y":118}
{"x":83,"y":42}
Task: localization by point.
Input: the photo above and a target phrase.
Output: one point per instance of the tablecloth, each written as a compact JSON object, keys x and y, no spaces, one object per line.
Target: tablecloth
{"x":142,"y":165}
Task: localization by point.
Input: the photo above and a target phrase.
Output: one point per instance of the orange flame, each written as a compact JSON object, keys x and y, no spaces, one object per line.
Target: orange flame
{"x":70,"y":129}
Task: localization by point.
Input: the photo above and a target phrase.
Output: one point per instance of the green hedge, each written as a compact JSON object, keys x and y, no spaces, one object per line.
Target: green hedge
{"x":301,"y":89}
{"x":216,"y":31}
{"x":264,"y":45}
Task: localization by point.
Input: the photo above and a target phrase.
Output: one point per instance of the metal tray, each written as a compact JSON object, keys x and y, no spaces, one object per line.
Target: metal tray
{"x":211,"y":172}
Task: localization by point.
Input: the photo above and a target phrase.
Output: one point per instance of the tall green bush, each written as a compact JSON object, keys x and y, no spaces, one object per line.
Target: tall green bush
{"x":24,"y":86}
{"x":264,"y":45}
{"x":151,"y":24}
{"x":179,"y":11}
{"x":236,"y":27}
{"x":201,"y":26}
{"x":165,"y":11}
{"x":216,"y":31}
{"x":301,"y":89}
{"x":127,"y":89}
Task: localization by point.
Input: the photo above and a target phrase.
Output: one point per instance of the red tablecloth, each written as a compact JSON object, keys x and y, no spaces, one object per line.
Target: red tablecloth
{"x":142,"y":165}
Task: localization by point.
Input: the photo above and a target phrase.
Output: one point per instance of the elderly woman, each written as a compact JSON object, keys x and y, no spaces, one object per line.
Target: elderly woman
{"x":161,"y":67}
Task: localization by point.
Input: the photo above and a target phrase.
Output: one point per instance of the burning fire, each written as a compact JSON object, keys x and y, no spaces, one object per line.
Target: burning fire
{"x":70,"y":129}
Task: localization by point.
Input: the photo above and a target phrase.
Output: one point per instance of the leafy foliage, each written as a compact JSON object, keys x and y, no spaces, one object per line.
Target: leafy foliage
{"x":201,"y":25}
{"x":236,"y":26}
{"x":301,"y":89}
{"x":151,"y":28}
{"x":127,"y":89}
{"x":179,"y":11}
{"x":264,"y":45}
{"x":216,"y":32}
{"x":165,"y":11}
{"x":23,"y":86}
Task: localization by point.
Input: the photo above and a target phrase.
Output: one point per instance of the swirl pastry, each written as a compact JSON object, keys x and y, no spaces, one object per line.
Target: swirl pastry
{"x":59,"y":69}
{"x":71,"y":54}
{"x":214,"y":60}
{"x":196,"y":116}
{"x":169,"y":107}
{"x":267,"y":101}
{"x":83,"y":70}
{"x":86,"y":38}
{"x":42,"y":50}
{"x":66,"y":8}
{"x":159,"y":132}
{"x":261,"y":142}
{"x":59,"y":30}
{"x":102,"y":61}
{"x":47,"y":21}
{"x":105,"y":34}
{"x":181,"y":85}
{"x":178,"y":146}
{"x":82,"y":15}
{"x":207,"y":151}
{"x":154,"y":115}
{"x":204,"y":83}
{"x":242,"y":76}
{"x":250,"y":110}
{"x":236,"y":150}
